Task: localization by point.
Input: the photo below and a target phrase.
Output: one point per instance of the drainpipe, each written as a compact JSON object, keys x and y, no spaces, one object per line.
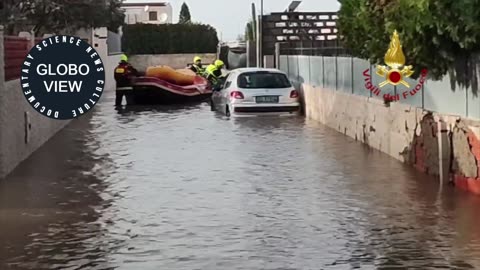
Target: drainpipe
{"x":259,"y":42}
{"x":277,"y":55}
{"x":443,"y":152}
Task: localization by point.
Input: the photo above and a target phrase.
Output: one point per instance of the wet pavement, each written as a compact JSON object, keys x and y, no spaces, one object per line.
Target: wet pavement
{"x":183,"y":188}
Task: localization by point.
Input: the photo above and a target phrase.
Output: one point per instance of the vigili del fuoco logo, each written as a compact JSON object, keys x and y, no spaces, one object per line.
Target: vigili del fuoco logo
{"x":394,"y":73}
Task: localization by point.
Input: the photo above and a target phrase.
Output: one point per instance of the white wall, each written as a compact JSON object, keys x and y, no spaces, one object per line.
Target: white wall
{"x":139,"y":15}
{"x":109,"y":61}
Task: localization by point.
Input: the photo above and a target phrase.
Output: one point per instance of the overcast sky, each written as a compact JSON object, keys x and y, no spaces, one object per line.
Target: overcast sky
{"x":229,"y":17}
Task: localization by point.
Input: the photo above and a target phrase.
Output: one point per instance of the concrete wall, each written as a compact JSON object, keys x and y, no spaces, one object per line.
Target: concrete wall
{"x":141,"y":62}
{"x":110,"y":62}
{"x":441,"y":145}
{"x":22,"y":129}
{"x":2,"y":91}
{"x":269,"y":61}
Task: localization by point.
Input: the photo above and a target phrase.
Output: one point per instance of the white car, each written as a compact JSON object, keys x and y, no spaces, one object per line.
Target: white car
{"x":256,"y":91}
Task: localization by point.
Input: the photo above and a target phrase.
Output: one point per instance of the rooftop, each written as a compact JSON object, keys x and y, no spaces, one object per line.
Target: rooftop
{"x":142,"y":4}
{"x":257,"y":69}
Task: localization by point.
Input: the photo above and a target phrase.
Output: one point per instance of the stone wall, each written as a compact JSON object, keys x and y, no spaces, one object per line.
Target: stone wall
{"x":141,"y":62}
{"x":441,"y":145}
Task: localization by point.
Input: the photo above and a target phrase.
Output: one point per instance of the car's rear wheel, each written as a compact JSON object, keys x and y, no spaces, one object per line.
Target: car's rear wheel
{"x":212,"y":106}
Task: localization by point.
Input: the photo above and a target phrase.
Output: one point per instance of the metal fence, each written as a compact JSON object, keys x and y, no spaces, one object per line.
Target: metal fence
{"x":16,"y":49}
{"x":327,"y":48}
{"x":346,"y":74}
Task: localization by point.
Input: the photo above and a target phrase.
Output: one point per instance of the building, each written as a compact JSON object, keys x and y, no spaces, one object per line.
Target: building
{"x":151,"y":12}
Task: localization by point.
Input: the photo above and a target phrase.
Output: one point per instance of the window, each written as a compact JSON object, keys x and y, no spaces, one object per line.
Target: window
{"x":152,"y":16}
{"x":253,"y":80}
{"x":228,"y":80}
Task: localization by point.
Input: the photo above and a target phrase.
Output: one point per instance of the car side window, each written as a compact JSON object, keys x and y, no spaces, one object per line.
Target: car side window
{"x":228,"y":81}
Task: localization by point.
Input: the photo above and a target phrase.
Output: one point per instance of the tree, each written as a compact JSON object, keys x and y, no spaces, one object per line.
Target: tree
{"x":11,"y":14}
{"x":184,"y":14}
{"x":47,"y":16}
{"x":431,"y":34}
{"x":250,"y":31}
{"x":251,"y":27}
{"x":241,"y":38}
{"x":116,"y":15}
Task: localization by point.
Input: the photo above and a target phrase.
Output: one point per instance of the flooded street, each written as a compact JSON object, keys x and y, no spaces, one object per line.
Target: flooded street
{"x":182,"y":188}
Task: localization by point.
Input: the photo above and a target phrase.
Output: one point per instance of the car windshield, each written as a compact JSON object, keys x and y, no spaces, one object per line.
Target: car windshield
{"x":254,"y":80}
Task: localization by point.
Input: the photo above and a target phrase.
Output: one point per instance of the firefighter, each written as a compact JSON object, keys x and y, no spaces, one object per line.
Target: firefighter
{"x":214,"y":74}
{"x":197,"y":66}
{"x":124,"y":73}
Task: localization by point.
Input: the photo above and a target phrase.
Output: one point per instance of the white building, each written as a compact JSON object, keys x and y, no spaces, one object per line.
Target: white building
{"x":151,"y":12}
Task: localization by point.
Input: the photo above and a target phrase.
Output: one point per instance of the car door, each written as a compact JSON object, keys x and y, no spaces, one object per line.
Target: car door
{"x":223,"y":93}
{"x":216,"y":96}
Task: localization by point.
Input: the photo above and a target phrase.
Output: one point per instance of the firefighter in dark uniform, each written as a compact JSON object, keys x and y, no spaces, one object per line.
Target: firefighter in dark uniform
{"x":124,"y":73}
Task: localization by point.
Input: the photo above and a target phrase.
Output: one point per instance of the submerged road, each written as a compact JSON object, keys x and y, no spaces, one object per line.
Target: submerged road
{"x":181,"y":188}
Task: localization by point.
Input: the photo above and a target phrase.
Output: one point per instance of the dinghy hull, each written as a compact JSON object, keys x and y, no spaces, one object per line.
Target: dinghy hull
{"x":151,"y":90}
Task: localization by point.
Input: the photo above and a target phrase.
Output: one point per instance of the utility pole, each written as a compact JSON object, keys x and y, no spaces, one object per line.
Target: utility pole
{"x":261,"y":7}
{"x":259,"y":37}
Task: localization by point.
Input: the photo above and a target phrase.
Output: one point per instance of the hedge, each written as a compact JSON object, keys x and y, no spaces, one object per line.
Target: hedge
{"x":169,"y":39}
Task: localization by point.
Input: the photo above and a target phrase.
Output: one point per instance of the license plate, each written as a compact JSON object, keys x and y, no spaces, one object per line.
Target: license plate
{"x":267,"y":99}
{"x":120,"y":70}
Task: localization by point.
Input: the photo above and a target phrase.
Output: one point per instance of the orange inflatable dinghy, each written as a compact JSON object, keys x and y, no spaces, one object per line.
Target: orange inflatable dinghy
{"x":181,"y":77}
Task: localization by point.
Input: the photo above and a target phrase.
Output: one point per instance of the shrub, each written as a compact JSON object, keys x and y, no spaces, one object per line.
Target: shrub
{"x":169,"y":38}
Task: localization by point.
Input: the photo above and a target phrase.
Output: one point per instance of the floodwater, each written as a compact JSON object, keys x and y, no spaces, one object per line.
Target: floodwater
{"x":182,"y":188}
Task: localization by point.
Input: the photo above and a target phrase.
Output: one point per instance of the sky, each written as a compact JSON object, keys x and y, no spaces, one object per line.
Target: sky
{"x":229,"y":17}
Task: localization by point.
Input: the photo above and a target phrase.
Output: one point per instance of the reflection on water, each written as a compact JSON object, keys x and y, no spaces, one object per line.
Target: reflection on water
{"x":183,"y":188}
